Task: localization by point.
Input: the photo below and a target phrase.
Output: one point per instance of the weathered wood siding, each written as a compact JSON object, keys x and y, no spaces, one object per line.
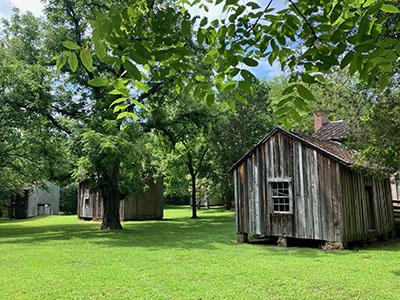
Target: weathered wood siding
{"x":44,"y":200}
{"x":358,"y":212}
{"x":395,"y":189}
{"x":148,"y":205}
{"x":317,"y":183}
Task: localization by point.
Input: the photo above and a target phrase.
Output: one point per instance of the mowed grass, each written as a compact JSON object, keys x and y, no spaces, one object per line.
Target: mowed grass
{"x":60,"y":257}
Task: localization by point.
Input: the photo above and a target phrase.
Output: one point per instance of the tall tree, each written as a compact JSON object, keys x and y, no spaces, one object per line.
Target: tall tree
{"x":186,"y":126}
{"x":105,"y":147}
{"x":32,"y":146}
{"x":234,"y":132}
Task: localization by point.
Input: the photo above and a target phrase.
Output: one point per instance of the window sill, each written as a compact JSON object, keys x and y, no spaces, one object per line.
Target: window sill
{"x":282,"y":213}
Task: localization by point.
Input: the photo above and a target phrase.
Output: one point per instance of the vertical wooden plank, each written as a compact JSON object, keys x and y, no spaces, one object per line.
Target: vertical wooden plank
{"x":263,"y":181}
{"x":245,"y":198}
{"x":301,"y":220}
{"x":315,"y":196}
{"x":235,"y":197}
{"x":309,"y":232}
{"x":339,"y":228}
{"x":335,"y":202}
{"x":256,"y":192}
{"x":268,"y":221}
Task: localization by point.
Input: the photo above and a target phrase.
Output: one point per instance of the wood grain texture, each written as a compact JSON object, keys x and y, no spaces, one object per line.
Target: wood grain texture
{"x":146,"y":206}
{"x":329,"y":198}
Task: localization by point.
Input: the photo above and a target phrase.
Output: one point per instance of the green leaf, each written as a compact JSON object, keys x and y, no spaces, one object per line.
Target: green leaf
{"x":245,"y":86}
{"x":142,"y":86}
{"x":203,"y":22}
{"x":241,"y":99}
{"x":119,"y":100}
{"x":231,"y":103}
{"x":141,"y":105}
{"x":285,"y":100}
{"x":210,"y":99}
{"x":247,"y":75}
{"x":253,"y":5}
{"x":250,"y":62}
{"x":282,"y":110}
{"x":346,"y":59}
{"x":132,"y":70}
{"x":120,"y":107}
{"x":300,"y":103}
{"x":200,"y":36}
{"x":368,"y":3}
{"x":289,"y":89}
{"x":305,"y":92}
{"x":141,"y":49}
{"x":71,"y":45}
{"x":200,"y":78}
{"x":229,"y":85}
{"x":99,"y":48}
{"x":73,"y":61}
{"x":61,"y":60}
{"x":307,"y":78}
{"x":390,"y":8}
{"x":87,"y":60}
{"x":384,"y":81}
{"x":186,"y":28}
{"x":118,"y":92}
{"x":127,"y":114}
{"x":98,"y":82}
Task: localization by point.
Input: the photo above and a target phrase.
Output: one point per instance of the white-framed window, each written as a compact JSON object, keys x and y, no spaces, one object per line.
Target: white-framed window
{"x":281,"y":195}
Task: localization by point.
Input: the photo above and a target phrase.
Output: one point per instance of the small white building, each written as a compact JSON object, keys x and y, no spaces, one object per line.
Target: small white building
{"x":34,"y":201}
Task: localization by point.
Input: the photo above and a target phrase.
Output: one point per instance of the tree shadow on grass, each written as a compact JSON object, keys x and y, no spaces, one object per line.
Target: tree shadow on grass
{"x":176,"y":233}
{"x":208,"y":232}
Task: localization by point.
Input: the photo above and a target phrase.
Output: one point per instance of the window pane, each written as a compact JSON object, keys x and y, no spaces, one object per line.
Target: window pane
{"x":280,"y":196}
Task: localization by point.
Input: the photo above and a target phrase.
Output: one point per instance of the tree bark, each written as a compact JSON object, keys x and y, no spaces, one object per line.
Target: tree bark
{"x":194,"y":207}
{"x":111,"y":201}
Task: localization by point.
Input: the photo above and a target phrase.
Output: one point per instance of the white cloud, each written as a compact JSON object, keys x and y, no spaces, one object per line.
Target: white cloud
{"x":34,"y":6}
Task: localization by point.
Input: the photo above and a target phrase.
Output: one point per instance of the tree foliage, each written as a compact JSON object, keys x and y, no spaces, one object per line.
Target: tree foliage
{"x":152,"y":40}
{"x":31,"y":147}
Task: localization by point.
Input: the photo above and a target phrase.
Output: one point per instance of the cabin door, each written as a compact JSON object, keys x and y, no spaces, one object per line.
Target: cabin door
{"x":19,"y":206}
{"x":370,"y":206}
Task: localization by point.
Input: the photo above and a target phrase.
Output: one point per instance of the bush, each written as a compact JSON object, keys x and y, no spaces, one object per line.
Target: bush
{"x":69,"y":199}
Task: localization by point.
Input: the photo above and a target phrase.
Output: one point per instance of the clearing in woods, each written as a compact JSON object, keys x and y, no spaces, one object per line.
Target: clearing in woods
{"x":179,"y":258}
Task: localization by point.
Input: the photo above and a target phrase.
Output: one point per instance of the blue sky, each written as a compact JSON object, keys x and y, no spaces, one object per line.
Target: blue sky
{"x":263,"y":71}
{"x":6,"y":6}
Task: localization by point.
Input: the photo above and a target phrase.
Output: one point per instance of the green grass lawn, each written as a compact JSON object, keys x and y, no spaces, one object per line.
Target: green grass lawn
{"x":179,"y":258}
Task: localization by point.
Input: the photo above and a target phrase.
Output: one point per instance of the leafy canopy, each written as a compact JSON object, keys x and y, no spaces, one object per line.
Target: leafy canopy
{"x":155,"y":40}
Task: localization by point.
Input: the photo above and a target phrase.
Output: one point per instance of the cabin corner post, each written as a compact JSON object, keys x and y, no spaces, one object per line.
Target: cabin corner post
{"x":242,"y":237}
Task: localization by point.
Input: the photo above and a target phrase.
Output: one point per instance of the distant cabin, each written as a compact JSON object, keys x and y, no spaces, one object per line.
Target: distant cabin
{"x":395,"y":187}
{"x":34,"y":201}
{"x":146,"y":206}
{"x":293,"y":185}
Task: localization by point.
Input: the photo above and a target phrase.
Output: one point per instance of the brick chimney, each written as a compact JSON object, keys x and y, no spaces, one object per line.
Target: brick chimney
{"x":320,"y":119}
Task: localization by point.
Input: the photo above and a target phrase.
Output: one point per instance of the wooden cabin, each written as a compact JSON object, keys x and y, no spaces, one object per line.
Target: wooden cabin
{"x":395,"y":187}
{"x":299,"y":186}
{"x":34,"y":200}
{"x":146,"y":206}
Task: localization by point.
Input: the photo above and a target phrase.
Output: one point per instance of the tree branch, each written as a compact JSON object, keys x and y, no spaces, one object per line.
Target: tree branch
{"x":201,"y":160}
{"x":305,"y":19}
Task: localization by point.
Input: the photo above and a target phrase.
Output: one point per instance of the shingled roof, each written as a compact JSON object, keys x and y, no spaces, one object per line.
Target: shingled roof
{"x":332,"y":147}
{"x":332,"y":131}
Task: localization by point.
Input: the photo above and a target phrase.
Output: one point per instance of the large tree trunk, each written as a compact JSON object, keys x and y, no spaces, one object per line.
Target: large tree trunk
{"x":228,"y":195}
{"x":194,"y":207}
{"x":111,"y":201}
